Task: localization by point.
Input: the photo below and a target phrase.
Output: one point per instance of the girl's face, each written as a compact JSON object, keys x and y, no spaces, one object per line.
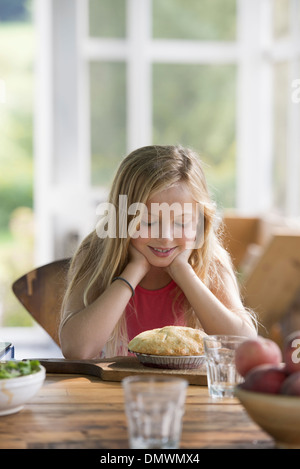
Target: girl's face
{"x":168,"y":226}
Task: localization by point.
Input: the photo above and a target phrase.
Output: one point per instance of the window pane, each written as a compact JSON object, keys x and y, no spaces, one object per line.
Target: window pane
{"x":18,"y":41}
{"x":108,"y":119}
{"x":281,"y":12}
{"x":107,"y":18}
{"x":281,"y":96}
{"x":194,"y":19}
{"x":194,"y":105}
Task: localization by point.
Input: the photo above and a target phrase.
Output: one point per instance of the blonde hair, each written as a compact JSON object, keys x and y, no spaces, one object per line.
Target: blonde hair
{"x":140,"y":175}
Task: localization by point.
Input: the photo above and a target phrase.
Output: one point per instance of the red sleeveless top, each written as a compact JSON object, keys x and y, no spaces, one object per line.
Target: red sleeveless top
{"x":151,"y":309}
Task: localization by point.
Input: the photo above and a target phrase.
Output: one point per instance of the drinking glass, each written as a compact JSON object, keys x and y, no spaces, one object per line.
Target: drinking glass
{"x":222,"y":376}
{"x":154,"y":408}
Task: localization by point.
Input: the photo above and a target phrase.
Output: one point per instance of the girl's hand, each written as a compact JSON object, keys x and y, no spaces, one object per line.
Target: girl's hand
{"x":181,"y":260}
{"x":137,"y":258}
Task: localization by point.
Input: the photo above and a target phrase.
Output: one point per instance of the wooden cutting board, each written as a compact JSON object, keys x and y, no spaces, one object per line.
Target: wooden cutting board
{"x":117,"y":368}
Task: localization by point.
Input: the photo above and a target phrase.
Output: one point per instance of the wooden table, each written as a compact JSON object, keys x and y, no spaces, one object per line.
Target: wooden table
{"x":73,"y":411}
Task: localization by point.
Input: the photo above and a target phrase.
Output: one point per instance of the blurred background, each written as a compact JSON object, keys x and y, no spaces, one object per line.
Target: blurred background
{"x":84,"y":82}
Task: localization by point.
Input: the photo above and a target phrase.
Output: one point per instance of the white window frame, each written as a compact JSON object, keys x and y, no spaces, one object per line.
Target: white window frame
{"x":64,"y":197}
{"x":259,"y":52}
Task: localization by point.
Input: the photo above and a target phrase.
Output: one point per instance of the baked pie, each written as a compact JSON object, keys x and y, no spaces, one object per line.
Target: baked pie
{"x":169,"y":340}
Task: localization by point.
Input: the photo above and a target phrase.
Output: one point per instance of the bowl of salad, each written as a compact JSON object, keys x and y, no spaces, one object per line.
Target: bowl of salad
{"x":19,"y":382}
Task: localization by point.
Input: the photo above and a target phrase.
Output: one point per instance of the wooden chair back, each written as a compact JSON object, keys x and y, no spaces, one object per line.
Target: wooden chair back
{"x":41,"y":293}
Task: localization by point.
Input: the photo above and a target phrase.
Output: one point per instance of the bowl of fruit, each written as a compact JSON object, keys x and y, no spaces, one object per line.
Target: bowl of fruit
{"x":270,"y":392}
{"x":19,"y":382}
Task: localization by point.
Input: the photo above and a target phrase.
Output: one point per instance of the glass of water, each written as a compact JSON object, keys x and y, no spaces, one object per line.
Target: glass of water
{"x":154,"y":408}
{"x":222,"y":376}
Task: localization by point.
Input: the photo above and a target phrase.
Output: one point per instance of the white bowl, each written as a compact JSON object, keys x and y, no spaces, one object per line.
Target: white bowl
{"x":15,"y":392}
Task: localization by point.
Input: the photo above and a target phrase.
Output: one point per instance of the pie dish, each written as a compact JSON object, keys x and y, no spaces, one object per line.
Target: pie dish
{"x":170,"y":362}
{"x":173,"y":347}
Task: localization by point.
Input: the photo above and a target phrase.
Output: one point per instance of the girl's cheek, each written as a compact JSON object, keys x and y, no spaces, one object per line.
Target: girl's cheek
{"x":140,"y":231}
{"x":188,"y":233}
{"x":188,"y":239}
{"x":143,"y":232}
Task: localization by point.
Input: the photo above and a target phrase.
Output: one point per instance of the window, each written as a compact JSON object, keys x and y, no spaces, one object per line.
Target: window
{"x":17,"y":60}
{"x":108,"y":119}
{"x":286,"y":121}
{"x":17,"y":39}
{"x":190,"y":101}
{"x":195,"y":105}
{"x":207,"y":20}
{"x":212,"y":75}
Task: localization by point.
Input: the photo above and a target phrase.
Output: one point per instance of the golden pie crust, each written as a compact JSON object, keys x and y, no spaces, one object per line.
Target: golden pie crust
{"x":169,"y":340}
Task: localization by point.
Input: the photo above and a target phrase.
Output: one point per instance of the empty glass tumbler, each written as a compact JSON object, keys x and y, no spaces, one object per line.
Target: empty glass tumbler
{"x":222,"y":376}
{"x":154,"y":408}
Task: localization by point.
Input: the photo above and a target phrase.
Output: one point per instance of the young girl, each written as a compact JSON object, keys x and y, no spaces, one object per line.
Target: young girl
{"x":160,"y":273}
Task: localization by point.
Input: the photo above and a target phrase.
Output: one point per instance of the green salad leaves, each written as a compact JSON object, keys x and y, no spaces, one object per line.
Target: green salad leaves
{"x":13,"y":369}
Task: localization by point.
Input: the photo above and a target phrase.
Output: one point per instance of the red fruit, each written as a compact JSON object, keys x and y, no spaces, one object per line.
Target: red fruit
{"x":265,"y":378}
{"x":291,"y":385}
{"x":254,"y":352}
{"x":291,"y":352}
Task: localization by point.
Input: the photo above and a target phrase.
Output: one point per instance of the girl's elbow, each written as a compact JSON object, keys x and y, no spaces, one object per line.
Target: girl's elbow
{"x":72,"y":350}
{"x":251,"y":332}
{"x":76,"y":353}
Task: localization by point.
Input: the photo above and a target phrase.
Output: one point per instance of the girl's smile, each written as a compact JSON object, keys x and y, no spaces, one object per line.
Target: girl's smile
{"x":162,"y":252}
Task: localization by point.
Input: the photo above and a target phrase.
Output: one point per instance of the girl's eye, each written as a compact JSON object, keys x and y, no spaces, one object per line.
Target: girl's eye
{"x":182,"y":224}
{"x":147,"y":223}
